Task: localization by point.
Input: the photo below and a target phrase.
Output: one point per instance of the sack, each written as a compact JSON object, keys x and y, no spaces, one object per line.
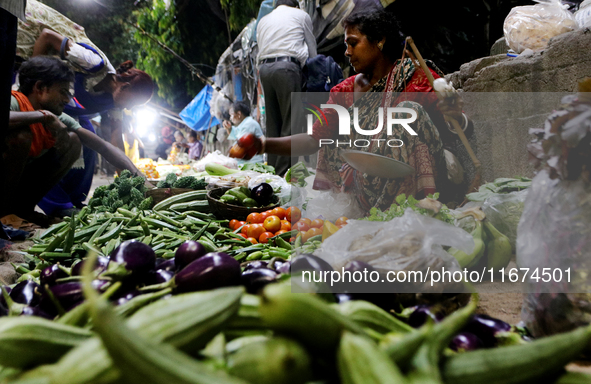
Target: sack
{"x":321,"y":73}
{"x":532,"y":26}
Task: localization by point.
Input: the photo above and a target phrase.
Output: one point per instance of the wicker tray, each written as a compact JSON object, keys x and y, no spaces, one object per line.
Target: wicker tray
{"x":159,"y":194}
{"x":229,"y":211}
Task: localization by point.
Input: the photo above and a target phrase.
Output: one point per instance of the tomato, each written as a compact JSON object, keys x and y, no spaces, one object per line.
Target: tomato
{"x":255,"y":218}
{"x":251,"y":152}
{"x":307,"y":221}
{"x":245,"y":228}
{"x":237,"y":152}
{"x":247,"y":141}
{"x":341,"y":220}
{"x":264,"y":238}
{"x":341,"y":225}
{"x":301,"y":226}
{"x":317,"y":223}
{"x":255,"y":230}
{"x":267,"y":214}
{"x":280,"y":232}
{"x":293,"y":214}
{"x":311,"y":233}
{"x":233,"y":224}
{"x":252,"y":240}
{"x":285,"y":225}
{"x":292,"y":240}
{"x":279,"y":212}
{"x":243,"y":235}
{"x":272,"y":223}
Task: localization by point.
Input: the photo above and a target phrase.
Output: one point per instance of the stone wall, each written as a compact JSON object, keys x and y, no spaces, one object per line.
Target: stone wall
{"x":506,"y":96}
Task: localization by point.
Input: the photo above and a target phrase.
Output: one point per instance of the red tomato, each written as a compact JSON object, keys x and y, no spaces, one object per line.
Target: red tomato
{"x":285,"y":225}
{"x":341,"y":220}
{"x":252,"y":240}
{"x":251,"y":152}
{"x":243,"y":235}
{"x":279,"y":232}
{"x":293,"y":214}
{"x":254,"y":218}
{"x":301,"y":226}
{"x":292,"y":239}
{"x":279,"y":212}
{"x":245,"y":228}
{"x":255,"y":230}
{"x":264,"y":238}
{"x":311,"y":233}
{"x":266,"y":214}
{"x":341,"y":225}
{"x":272,"y":223}
{"x":317,"y":223}
{"x":247,"y":141}
{"x":233,"y":224}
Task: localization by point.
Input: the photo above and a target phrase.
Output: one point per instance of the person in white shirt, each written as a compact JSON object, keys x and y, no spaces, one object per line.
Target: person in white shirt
{"x":285,"y":42}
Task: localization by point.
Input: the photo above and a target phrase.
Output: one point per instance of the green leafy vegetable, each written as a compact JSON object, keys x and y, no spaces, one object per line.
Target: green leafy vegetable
{"x":257,"y":167}
{"x":402,"y":203}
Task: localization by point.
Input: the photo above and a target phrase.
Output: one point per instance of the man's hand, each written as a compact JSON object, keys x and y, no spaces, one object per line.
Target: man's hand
{"x":452,"y":107}
{"x":247,"y":146}
{"x":53,"y":124}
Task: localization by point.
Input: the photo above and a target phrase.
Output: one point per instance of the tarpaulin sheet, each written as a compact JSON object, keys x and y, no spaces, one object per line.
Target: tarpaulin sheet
{"x":197,"y":114}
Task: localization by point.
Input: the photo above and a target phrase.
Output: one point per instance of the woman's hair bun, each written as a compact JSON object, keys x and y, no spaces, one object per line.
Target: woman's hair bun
{"x":125,"y":66}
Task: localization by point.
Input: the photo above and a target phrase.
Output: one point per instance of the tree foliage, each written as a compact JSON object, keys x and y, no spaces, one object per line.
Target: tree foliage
{"x":240,"y":12}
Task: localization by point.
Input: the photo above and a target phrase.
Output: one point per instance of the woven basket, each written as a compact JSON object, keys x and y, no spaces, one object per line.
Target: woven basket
{"x":229,"y":211}
{"x":159,"y":194}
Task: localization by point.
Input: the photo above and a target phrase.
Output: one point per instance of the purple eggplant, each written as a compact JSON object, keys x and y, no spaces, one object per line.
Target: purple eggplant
{"x":465,"y":341}
{"x":188,"y":252}
{"x":309,"y":263}
{"x":166,"y":265}
{"x":214,"y":270}
{"x":262,"y":194}
{"x":137,"y":257}
{"x":158,"y":277}
{"x":69,"y":295}
{"x":36,"y":311}
{"x":100,"y":285}
{"x":255,"y":279}
{"x":359,"y":266}
{"x":27,"y":292}
{"x":486,"y":327}
{"x":256,"y":265}
{"x":128,"y":296}
{"x":101,"y":263}
{"x":420,"y":315}
{"x":284,"y":268}
{"x":50,"y":275}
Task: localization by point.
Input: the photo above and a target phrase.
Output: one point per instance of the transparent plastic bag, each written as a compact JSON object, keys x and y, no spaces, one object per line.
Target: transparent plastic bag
{"x":411,"y":242}
{"x":555,"y":232}
{"x":583,"y":15}
{"x":532,"y":26}
{"x":215,"y":157}
{"x":503,"y":211}
{"x":331,"y":205}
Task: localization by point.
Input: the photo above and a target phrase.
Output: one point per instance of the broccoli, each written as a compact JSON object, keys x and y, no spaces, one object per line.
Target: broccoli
{"x":100,"y":191}
{"x":125,"y":186}
{"x":138,"y":181}
{"x":125,"y":174}
{"x":184,"y":182}
{"x":146,"y":203}
{"x":199,"y":184}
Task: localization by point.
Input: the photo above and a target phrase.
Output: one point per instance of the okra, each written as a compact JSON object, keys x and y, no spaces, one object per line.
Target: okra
{"x":81,"y":235}
{"x":126,"y":213}
{"x":113,"y":233}
{"x":200,"y":215}
{"x":159,"y":224}
{"x":57,"y":240}
{"x":69,"y":241}
{"x":53,"y":230}
{"x":168,"y":219}
{"x":254,"y":256}
{"x":55,"y":255}
{"x":371,"y":316}
{"x":99,"y":231}
{"x":282,"y":243}
{"x":169,"y":234}
{"x":200,"y":232}
{"x":209,"y":246}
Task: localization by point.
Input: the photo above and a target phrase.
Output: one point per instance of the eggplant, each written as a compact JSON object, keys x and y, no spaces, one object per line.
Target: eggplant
{"x":188,"y":252}
{"x":128,"y":296}
{"x":214,"y":270}
{"x":101,"y":263}
{"x":27,"y":292}
{"x":420,"y":315}
{"x":465,"y":341}
{"x":262,"y":194}
{"x":309,"y":263}
{"x":50,"y":275}
{"x":36,"y":311}
{"x":100,"y":285}
{"x":486,"y":327}
{"x":69,"y":295}
{"x":160,"y":276}
{"x":255,"y":279}
{"x":137,"y":257}
{"x":166,"y":265}
{"x":284,"y":268}
{"x":256,"y":265}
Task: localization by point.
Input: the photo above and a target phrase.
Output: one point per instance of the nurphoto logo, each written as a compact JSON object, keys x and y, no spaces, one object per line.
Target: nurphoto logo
{"x":345,"y":125}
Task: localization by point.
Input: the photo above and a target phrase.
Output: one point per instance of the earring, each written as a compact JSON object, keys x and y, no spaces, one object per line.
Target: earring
{"x":380,"y":46}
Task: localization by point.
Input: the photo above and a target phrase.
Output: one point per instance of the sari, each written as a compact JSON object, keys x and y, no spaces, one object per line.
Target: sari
{"x":404,"y":86}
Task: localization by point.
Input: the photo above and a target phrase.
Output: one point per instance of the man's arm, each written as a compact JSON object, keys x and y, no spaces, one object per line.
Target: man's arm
{"x":301,"y":144}
{"x":111,"y":153}
{"x":309,"y":36}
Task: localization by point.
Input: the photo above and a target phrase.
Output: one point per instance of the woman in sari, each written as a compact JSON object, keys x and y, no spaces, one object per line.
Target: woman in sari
{"x":373,"y":42}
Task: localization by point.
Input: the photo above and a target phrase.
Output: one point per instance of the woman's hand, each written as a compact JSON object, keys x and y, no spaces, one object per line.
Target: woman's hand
{"x":452,"y":107}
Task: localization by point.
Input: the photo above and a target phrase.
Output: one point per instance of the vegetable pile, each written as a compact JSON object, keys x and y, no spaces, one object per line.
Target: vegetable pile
{"x":188,"y":182}
{"x":428,"y":206}
{"x":501,"y":185}
{"x":125,"y":192}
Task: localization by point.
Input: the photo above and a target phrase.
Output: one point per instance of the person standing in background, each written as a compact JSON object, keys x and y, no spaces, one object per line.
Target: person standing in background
{"x":194,"y":145}
{"x":285,"y":41}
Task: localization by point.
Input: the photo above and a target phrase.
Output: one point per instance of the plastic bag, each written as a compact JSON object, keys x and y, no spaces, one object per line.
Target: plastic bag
{"x":215,"y":157}
{"x":532,"y":26}
{"x":411,"y":242}
{"x":504,"y":210}
{"x":583,"y":15}
{"x":331,"y":206}
{"x":555,"y":232}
